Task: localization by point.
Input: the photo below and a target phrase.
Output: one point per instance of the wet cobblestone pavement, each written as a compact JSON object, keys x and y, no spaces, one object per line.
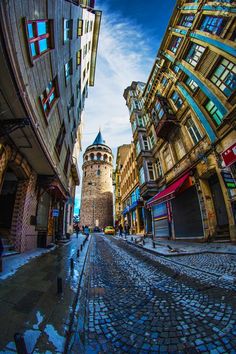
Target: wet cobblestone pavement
{"x":135,"y":302}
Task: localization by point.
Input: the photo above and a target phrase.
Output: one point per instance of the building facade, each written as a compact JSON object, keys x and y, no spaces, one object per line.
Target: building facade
{"x":122,"y":152}
{"x":43,"y":93}
{"x":190,"y":96}
{"x":132,"y":205}
{"x":97,"y":188}
{"x":189,"y":109}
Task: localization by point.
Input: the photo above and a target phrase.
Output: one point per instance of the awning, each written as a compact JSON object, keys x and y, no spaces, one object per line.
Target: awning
{"x":168,"y":193}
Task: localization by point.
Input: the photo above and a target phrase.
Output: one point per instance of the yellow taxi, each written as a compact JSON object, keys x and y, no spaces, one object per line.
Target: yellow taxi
{"x":109,"y":230}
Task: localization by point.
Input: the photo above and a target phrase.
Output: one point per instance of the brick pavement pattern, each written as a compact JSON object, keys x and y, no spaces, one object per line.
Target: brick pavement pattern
{"x":135,"y":302}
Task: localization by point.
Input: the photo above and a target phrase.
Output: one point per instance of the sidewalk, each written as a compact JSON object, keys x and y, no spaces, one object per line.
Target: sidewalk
{"x":29,"y":302}
{"x":179,"y":248}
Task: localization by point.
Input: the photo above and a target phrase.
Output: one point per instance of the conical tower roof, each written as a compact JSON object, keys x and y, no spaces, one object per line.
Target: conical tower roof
{"x":99,"y":139}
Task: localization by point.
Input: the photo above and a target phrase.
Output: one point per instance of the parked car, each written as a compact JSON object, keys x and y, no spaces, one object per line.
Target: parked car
{"x":96,"y":229}
{"x":109,"y":230}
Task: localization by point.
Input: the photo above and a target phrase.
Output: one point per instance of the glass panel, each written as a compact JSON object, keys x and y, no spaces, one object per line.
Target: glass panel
{"x":30,"y":30}
{"x":33,"y":49}
{"x":43,"y":45}
{"x":42,"y":28}
{"x":52,"y":97}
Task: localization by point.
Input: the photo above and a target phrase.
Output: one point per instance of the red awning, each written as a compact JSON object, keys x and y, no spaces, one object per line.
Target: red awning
{"x":168,"y":193}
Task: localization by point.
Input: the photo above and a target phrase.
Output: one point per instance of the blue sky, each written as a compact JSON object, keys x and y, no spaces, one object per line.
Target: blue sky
{"x":131,"y":33}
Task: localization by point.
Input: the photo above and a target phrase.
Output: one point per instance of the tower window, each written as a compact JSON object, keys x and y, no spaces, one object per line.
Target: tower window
{"x":98,"y":172}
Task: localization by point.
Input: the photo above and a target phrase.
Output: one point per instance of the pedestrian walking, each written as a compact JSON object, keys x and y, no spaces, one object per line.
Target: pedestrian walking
{"x":120,"y":230}
{"x":1,"y":252}
{"x":86,"y":230}
{"x":77,"y":230}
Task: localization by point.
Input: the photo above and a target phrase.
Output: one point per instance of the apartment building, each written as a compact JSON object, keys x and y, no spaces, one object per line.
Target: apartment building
{"x":45,"y":49}
{"x":190,"y":100}
{"x":132,"y":204}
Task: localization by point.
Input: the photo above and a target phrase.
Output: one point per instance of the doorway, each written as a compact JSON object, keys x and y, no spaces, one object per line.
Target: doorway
{"x":7,"y":202}
{"x":218,"y":200}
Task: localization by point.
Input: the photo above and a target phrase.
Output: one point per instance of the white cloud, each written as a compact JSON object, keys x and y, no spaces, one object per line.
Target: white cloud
{"x":123,"y":56}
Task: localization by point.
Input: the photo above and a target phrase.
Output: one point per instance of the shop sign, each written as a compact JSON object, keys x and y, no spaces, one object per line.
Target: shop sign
{"x":229,"y":155}
{"x":55,"y":212}
{"x":228,"y":179}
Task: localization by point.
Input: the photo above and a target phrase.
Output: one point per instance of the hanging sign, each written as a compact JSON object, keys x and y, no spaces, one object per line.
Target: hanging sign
{"x":55,"y":212}
{"x":228,"y":179}
{"x":229,"y":155}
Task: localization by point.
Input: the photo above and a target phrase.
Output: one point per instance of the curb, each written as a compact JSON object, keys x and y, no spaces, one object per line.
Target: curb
{"x":70,"y":334}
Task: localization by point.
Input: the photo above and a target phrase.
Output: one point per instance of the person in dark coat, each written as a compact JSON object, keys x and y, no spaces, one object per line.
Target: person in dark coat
{"x":120,"y":230}
{"x":77,"y":230}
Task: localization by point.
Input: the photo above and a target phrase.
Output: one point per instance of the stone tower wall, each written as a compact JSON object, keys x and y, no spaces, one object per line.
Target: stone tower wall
{"x":97,"y":189}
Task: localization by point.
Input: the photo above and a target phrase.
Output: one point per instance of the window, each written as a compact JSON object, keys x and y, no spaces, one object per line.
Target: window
{"x":68,"y":70}
{"x":70,"y":107}
{"x":193,"y":131}
{"x":78,"y":87}
{"x":80,"y":28}
{"x":89,"y":45}
{"x":138,"y":149}
{"x":68,"y":27}
{"x":91,"y":25}
{"x":140,"y":122}
{"x":191,"y":84}
{"x":84,"y":74}
{"x":159,"y":111}
{"x":151,"y":139}
{"x":98,"y":172}
{"x":78,"y":58}
{"x":213,"y":24}
{"x":88,"y":66}
{"x":174,"y":44}
{"x":176,"y":99}
{"x":67,"y":159}
{"x":186,"y":20}
{"x":60,"y":138}
{"x":224,"y":77}
{"x":49,"y":96}
{"x":134,"y":125}
{"x":145,"y":143}
{"x":39,"y":38}
{"x":168,"y":159}
{"x":141,"y":175}
{"x":179,"y":148}
{"x":194,"y":54}
{"x":214,"y":112}
{"x":175,"y":68}
{"x":164,"y":81}
{"x":159,"y":168}
{"x":150,"y":171}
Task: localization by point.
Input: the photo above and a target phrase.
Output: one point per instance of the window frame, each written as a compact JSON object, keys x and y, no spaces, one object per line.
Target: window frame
{"x":213,"y":112}
{"x":70,"y":64}
{"x":67,"y":160}
{"x":60,"y":138}
{"x":221,"y":82}
{"x":191,"y":84}
{"x":178,"y":102}
{"x":80,"y":27}
{"x":208,"y":19}
{"x":174,"y":44}
{"x":193,"y":131}
{"x":184,"y":20}
{"x":45,"y":97}
{"x":194,"y":55}
{"x":69,"y":30}
{"x":48,"y":36}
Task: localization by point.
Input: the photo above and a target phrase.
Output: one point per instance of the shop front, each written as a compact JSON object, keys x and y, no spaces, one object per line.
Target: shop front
{"x":176,"y":211}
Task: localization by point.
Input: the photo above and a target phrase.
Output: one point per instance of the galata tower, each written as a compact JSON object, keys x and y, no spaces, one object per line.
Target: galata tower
{"x":97,"y":190}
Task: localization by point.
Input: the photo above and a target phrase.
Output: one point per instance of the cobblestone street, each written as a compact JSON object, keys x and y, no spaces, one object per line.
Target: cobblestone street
{"x":136,"y":302}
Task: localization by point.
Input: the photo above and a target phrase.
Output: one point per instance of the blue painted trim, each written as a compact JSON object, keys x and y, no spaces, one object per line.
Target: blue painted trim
{"x":219,"y":8}
{"x":222,"y":46}
{"x":198,"y":112}
{"x":179,"y":31}
{"x":169,"y":57}
{"x":204,"y":89}
{"x":193,"y":7}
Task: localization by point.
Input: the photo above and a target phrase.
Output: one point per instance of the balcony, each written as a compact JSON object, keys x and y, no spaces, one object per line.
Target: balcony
{"x":165,"y":127}
{"x":163,"y":118}
{"x":75,"y":171}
